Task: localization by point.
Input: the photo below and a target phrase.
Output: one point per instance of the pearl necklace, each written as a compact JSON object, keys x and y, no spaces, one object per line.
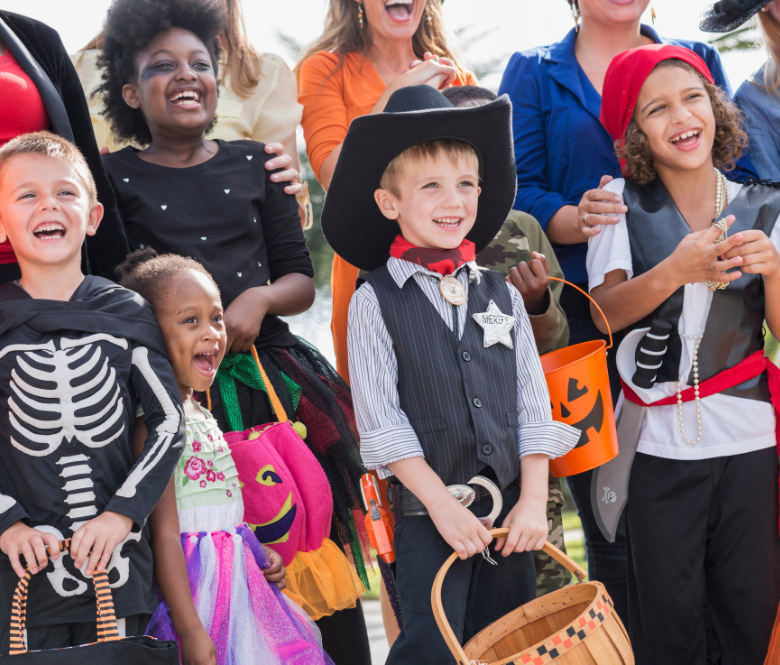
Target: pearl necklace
{"x":721,"y":201}
{"x":695,"y":392}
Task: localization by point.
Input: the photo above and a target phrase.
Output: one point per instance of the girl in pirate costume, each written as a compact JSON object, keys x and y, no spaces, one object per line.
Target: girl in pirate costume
{"x":216,"y":202}
{"x":697,"y":252}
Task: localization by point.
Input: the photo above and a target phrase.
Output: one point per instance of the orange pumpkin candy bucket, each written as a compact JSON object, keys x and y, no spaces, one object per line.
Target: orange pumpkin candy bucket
{"x":576,"y":625}
{"x":580,"y":396}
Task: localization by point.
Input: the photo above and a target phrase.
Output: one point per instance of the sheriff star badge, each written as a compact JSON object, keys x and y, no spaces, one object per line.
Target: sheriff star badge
{"x":497,"y":326}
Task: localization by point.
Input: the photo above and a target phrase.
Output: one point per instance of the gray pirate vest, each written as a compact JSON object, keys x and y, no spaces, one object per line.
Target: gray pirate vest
{"x":460,"y":398}
{"x":734,"y":328}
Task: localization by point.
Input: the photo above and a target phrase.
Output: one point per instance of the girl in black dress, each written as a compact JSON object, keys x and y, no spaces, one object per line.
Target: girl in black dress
{"x":217,"y":202}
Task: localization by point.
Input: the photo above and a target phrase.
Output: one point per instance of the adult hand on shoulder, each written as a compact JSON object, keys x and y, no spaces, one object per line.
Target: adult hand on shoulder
{"x":759,"y":255}
{"x":275,"y":572}
{"x":97,"y":539}
{"x":530,"y":279}
{"x":197,"y":648}
{"x":282,"y":165}
{"x":460,"y":528}
{"x":527,"y":524}
{"x":243,"y":319}
{"x":598,"y":207}
{"x":20,"y":539}
{"x":695,"y":259}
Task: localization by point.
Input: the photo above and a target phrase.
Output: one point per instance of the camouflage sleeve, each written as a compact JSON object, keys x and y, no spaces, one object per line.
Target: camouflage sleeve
{"x":551,"y":575}
{"x":518,"y":238}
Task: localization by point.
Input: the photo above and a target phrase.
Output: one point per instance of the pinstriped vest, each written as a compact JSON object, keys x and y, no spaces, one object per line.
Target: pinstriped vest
{"x":460,"y":398}
{"x":734,"y":328}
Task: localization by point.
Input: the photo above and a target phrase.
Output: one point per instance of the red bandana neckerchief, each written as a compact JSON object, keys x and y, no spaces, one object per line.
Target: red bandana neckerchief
{"x":442,"y":261}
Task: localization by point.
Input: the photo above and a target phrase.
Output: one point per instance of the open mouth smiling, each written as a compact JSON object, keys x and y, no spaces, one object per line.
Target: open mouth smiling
{"x":49,"y":231}
{"x":400,"y":10}
{"x":206,"y":362}
{"x":185,"y":98}
{"x":687,"y":137}
{"x":448,"y":223}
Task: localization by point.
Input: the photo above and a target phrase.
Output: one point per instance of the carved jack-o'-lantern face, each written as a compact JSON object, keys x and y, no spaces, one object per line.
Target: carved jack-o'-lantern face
{"x":581,"y":410}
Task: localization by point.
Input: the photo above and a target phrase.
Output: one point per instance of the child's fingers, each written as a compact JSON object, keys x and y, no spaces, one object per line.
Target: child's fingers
{"x":16,"y":564}
{"x":82,"y":552}
{"x":511,"y":540}
{"x":280,"y":162}
{"x":50,"y":540}
{"x":39,"y":549}
{"x":295,"y":188}
{"x":543,"y":259}
{"x":539,"y":544}
{"x":106,"y":550}
{"x":29,"y":557}
{"x":539,"y":269}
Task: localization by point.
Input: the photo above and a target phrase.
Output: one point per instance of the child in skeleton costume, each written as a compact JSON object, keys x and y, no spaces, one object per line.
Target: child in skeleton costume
{"x":76,"y":356}
{"x":204,"y":553}
{"x":691,"y":272}
{"x":446,"y":379}
{"x":217,"y":203}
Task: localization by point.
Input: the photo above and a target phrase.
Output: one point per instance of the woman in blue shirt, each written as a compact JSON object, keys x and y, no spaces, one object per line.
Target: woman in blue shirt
{"x":563,"y":156}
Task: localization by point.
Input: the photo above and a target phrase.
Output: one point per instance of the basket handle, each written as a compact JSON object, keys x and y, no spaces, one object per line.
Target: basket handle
{"x":107,"y":630}
{"x":276,"y":403}
{"x":596,"y":305}
{"x":438,"y":608}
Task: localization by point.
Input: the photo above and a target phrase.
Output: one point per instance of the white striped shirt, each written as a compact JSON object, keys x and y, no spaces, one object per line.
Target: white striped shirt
{"x":386,"y":435}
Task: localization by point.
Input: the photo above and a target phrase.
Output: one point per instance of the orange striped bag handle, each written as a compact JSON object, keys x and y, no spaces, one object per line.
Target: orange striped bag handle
{"x":107,"y":630}
{"x":276,"y":403}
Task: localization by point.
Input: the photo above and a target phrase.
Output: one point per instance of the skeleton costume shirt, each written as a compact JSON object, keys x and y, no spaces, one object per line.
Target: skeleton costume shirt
{"x":71,"y":374}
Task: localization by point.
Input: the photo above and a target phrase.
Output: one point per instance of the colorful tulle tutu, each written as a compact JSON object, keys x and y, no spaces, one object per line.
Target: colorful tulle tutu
{"x":250,"y":620}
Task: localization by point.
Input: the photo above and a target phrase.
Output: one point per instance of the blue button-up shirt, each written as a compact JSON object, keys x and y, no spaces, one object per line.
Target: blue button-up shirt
{"x":561,"y":147}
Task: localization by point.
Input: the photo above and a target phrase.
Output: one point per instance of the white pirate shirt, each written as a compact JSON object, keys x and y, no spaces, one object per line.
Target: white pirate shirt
{"x":71,"y":376}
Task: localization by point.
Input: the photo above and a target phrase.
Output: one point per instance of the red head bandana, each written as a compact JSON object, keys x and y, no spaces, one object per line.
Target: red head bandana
{"x":627,"y":74}
{"x":442,"y":261}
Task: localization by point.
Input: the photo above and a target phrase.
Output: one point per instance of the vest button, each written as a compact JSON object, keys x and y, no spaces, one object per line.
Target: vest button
{"x":477,"y":402}
{"x":487,"y":449}
{"x":466,"y":356}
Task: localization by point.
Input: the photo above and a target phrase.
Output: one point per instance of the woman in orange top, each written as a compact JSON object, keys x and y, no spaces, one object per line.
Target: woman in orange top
{"x":368,"y":50}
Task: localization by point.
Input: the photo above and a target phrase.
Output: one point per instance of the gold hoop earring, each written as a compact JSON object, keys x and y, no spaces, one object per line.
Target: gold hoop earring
{"x":652,"y":13}
{"x":575,"y":12}
{"x":360,"y":15}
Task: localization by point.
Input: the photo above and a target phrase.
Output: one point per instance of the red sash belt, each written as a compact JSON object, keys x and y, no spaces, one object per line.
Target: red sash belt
{"x":749,"y":368}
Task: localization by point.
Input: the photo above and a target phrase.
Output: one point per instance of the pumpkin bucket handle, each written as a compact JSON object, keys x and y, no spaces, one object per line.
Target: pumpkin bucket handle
{"x":595,"y":304}
{"x":438,"y":608}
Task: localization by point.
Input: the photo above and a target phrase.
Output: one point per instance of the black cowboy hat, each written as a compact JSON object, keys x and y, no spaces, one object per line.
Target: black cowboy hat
{"x":351,"y":220}
{"x":728,"y":15}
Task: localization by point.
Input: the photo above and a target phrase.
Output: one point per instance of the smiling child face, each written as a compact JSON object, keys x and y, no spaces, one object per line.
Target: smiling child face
{"x":190,"y":316}
{"x":176,"y":86}
{"x":436,"y":201}
{"x":675,"y":113}
{"x":45,"y":210}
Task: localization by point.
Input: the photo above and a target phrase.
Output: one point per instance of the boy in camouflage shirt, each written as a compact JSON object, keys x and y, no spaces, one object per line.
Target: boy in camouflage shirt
{"x":523,"y":254}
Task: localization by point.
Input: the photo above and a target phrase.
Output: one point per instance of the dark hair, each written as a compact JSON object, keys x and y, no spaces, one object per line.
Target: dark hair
{"x":730,"y":139}
{"x":130,"y":27}
{"x":466,"y":93}
{"x":151,"y":274}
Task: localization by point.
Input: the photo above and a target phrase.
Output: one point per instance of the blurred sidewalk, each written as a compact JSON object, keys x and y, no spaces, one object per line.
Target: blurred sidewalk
{"x":376,"y":632}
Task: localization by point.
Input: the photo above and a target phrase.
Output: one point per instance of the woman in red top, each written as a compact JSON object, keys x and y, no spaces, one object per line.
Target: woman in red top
{"x":39,"y":89}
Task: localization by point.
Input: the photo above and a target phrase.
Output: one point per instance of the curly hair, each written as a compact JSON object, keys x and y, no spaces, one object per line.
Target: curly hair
{"x":130,"y":27}
{"x":152,"y":275}
{"x":729,"y":144}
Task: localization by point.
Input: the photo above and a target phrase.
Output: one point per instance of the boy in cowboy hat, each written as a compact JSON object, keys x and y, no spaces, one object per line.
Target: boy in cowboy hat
{"x":446,"y":380}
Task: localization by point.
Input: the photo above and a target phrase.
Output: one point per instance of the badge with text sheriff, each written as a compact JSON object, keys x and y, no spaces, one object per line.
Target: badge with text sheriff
{"x":497,"y":326}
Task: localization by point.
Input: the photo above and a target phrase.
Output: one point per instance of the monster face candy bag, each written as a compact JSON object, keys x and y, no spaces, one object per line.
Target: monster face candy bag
{"x":288,"y":504}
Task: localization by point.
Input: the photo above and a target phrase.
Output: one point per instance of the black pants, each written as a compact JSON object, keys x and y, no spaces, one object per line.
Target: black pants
{"x":606,"y":561}
{"x":60,"y":636}
{"x":703,"y":534}
{"x":475,"y":594}
{"x":344,"y":637}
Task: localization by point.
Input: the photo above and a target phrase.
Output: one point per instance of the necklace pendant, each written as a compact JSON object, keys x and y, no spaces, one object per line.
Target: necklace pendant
{"x":453,"y":291}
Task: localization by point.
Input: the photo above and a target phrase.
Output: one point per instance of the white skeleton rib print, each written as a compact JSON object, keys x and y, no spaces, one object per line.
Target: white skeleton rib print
{"x":68,"y":393}
{"x":81,"y":393}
